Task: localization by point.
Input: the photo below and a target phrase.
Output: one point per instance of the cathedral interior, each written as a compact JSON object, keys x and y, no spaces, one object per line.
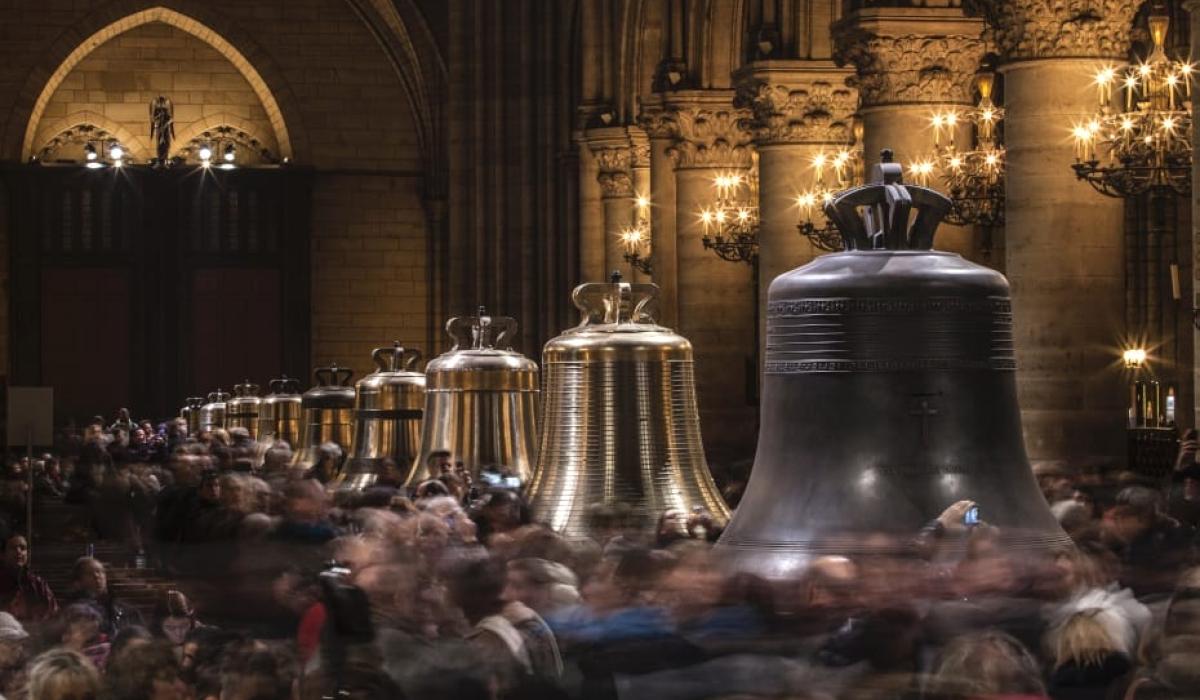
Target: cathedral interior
{"x":599,"y":346}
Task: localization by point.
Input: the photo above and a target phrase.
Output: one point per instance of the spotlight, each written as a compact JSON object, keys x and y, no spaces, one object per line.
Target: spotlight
{"x":94,"y":165}
{"x":116,"y":152}
{"x":89,"y":152}
{"x":117,"y":163}
{"x":205,"y":153}
{"x":1134,"y":358}
{"x":230,"y":153}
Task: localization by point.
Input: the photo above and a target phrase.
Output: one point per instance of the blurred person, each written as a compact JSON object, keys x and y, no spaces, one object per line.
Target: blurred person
{"x":48,"y":480}
{"x":497,"y":512}
{"x":90,"y":582}
{"x":1173,"y":669}
{"x":1088,"y":664}
{"x":329,"y":462}
{"x":431,"y":488}
{"x":61,"y":674}
{"x":617,"y":602}
{"x":986,"y":664}
{"x":122,"y":422}
{"x":1154,"y":549}
{"x":1073,"y":516}
{"x":14,"y":654}
{"x":512,"y":635}
{"x":545,"y":586}
{"x":1088,"y":585}
{"x":258,"y":674}
{"x":1184,"y":504}
{"x":1055,"y":479}
{"x":438,"y":462}
{"x":175,"y":618}
{"x":78,"y":627}
{"x":23,"y":593}
{"x":147,"y":672}
{"x":128,"y":637}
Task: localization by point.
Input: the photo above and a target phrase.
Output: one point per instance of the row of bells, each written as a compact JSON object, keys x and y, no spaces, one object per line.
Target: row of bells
{"x":888,"y":394}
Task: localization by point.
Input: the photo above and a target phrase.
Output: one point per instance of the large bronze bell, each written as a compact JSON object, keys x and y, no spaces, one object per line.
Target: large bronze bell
{"x":191,"y":414}
{"x":888,"y":394}
{"x":619,"y":421}
{"x":481,"y":400}
{"x":212,"y":414}
{"x":388,"y":406}
{"x":327,"y":411}
{"x":280,"y":415}
{"x":242,"y":409}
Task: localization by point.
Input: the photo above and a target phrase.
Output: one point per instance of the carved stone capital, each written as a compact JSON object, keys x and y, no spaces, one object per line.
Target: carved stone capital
{"x":1027,"y":29}
{"x":921,"y":56}
{"x":708,"y":130}
{"x":798,"y":107}
{"x":614,"y":158}
{"x":655,"y":118}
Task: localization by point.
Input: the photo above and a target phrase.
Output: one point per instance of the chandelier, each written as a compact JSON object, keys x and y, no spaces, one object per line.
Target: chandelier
{"x":973,"y":178}
{"x":1147,"y":144}
{"x":731,"y":221}
{"x":636,"y":237}
{"x":813,"y":223}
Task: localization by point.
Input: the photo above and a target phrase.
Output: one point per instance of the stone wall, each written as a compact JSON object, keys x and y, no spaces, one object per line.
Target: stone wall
{"x":336,"y":103}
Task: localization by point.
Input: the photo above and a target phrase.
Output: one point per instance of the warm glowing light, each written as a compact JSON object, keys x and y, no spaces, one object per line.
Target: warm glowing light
{"x":952,"y":119}
{"x":116,"y":152}
{"x":1134,"y":358}
{"x":1145,"y":69}
{"x":1169,"y":124}
{"x":205,"y":153}
{"x":1126,"y":124}
{"x":743,"y":215}
{"x":956,"y":162}
{"x":1105,"y":76}
{"x":642,"y":201}
{"x":1131,"y":81}
{"x":94,"y":165}
{"x":89,"y":152}
{"x":818,"y":160}
{"x":807,"y":200}
{"x":706,"y":217}
{"x":117,"y":163}
{"x":937,"y":120}
{"x":230,"y":153}
{"x":988,"y":115}
{"x":991,"y":159}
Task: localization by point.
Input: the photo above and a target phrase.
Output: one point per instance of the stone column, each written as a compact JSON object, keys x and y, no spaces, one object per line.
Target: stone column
{"x":1064,"y":241}
{"x":1193,"y":7}
{"x":801,"y":108}
{"x":591,"y":217}
{"x":614,"y":156}
{"x":717,"y":299}
{"x":911,"y":63}
{"x":659,"y":127}
{"x":640,"y":150}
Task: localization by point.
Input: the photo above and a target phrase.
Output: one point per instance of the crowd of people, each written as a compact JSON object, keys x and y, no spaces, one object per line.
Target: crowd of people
{"x":450,"y":590}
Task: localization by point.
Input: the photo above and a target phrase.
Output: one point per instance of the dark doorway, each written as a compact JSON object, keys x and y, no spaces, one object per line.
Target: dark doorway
{"x":138,"y":287}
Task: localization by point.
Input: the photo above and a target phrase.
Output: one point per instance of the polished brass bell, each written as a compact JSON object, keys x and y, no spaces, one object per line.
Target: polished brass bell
{"x":620,"y":422}
{"x":242,"y":409}
{"x":212,"y":414}
{"x":388,"y":405}
{"x":327,"y":411}
{"x":888,"y":394}
{"x":481,"y":401}
{"x":191,"y":414}
{"x":280,"y":416}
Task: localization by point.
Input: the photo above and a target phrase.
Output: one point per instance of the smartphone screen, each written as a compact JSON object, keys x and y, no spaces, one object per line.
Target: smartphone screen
{"x":971,"y":517}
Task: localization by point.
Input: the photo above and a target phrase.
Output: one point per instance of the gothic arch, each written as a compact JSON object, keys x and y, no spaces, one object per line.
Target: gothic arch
{"x":405,"y":38}
{"x":213,"y":121}
{"x":114,"y":19}
{"x":137,"y":147}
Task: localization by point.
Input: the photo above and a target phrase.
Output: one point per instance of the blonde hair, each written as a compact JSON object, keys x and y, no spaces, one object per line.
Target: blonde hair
{"x":1082,"y":639}
{"x":60,"y":674}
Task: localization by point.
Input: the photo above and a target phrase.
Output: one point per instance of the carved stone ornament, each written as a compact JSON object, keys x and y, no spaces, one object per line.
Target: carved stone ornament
{"x":816,"y":113}
{"x":912,"y":68}
{"x":1027,"y":29}
{"x":615,"y":163}
{"x":711,"y":138}
{"x":656,"y":121}
{"x":641,"y":155}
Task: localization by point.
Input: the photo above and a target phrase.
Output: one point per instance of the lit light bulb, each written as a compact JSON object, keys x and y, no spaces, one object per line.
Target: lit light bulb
{"x":116,"y":152}
{"x":706,"y":217}
{"x":743,"y":215}
{"x":205,"y":153}
{"x":991,"y":159}
{"x":1144,"y":69}
{"x":1126,"y":124}
{"x":818,"y":160}
{"x":988,"y":115}
{"x":937,"y":120}
{"x":952,"y":119}
{"x":956,"y":162}
{"x":642,"y":202}
{"x":230,"y":153}
{"x":117,"y":163}
{"x":89,"y":152}
{"x":721,"y":217}
{"x":1168,"y":124}
{"x":1105,"y":76}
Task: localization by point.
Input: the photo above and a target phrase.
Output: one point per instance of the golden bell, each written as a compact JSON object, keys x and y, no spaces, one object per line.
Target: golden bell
{"x":242,"y":410}
{"x":388,"y":405}
{"x":191,"y":414}
{"x":620,"y":421}
{"x":212,"y":414}
{"x":327,"y":411}
{"x":279,"y":414}
{"x":481,"y":401}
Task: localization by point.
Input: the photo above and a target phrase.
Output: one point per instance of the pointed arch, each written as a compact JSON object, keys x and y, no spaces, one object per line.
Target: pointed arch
{"x":136,"y":146}
{"x":104,"y":28}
